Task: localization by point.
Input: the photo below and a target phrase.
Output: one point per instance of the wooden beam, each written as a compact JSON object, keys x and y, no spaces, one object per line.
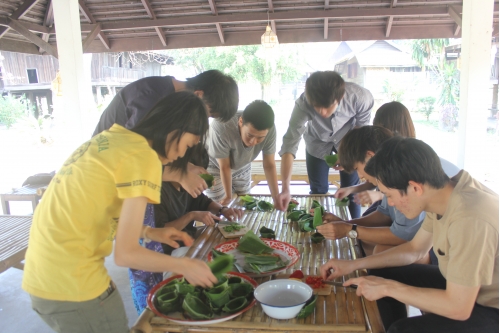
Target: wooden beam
{"x":388,"y":26}
{"x":213,"y":8}
{"x":454,"y":14}
{"x":18,"y":13}
{"x":270,"y":5}
{"x":161,"y":34}
{"x":221,"y":33}
{"x":325,"y":29}
{"x":48,"y":20}
{"x":273,"y":26}
{"x":90,"y":37}
{"x":104,"y":40}
{"x":85,"y":11}
{"x":456,"y":30}
{"x":327,"y":4}
{"x":149,"y":9}
{"x":20,"y":28}
{"x":45,"y":37}
{"x":393,"y":3}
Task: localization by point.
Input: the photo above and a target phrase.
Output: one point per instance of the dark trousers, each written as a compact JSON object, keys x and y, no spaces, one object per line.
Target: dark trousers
{"x":317,"y":171}
{"x":483,"y":319}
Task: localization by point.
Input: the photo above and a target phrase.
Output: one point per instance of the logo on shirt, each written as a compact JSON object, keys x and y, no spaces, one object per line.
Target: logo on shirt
{"x":102,"y":143}
{"x":77,"y":153}
{"x":141,"y":182}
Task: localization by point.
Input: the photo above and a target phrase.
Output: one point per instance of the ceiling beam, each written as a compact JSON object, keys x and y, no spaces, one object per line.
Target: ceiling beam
{"x":221,"y":33}
{"x":273,"y":25}
{"x":270,"y":6}
{"x":327,"y":4}
{"x":152,"y":15}
{"x":90,"y":37}
{"x":455,"y":15}
{"x":18,"y":13}
{"x":212,"y":7}
{"x":4,"y":20}
{"x":161,"y":35}
{"x":325,"y":29}
{"x":88,"y":15}
{"x":388,"y":26}
{"x":456,"y":30}
{"x":104,"y":40}
{"x":21,"y":29}
{"x":48,"y":20}
{"x":393,"y":3}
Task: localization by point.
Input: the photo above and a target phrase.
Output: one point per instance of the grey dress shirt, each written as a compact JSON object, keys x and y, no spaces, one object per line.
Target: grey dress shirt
{"x":322,"y":135}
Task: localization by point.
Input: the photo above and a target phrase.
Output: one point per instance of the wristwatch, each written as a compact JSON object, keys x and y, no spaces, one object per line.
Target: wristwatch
{"x":221,"y":209}
{"x":353,"y":233}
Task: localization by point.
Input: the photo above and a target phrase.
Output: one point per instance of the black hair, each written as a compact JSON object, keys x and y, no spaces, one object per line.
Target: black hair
{"x":324,"y":88}
{"x":401,"y":160}
{"x":357,"y":142}
{"x":220,"y":92}
{"x":178,"y":113}
{"x":259,"y":114}
{"x":395,"y":117}
{"x":200,"y":156}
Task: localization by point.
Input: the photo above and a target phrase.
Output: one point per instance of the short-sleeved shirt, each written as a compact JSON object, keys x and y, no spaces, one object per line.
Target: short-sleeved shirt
{"x":75,"y":224}
{"x":134,"y":101}
{"x":224,"y":140}
{"x":465,"y":238}
{"x":323,"y":135}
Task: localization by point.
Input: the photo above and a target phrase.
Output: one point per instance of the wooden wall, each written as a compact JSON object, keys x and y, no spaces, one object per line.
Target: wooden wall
{"x":15,"y":65}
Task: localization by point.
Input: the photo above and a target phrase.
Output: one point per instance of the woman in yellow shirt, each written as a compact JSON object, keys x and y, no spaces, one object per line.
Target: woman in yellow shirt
{"x":100,"y":195}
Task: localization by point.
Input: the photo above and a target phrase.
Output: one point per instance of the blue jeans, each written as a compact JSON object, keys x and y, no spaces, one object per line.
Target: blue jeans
{"x":317,"y":171}
{"x":483,"y":319}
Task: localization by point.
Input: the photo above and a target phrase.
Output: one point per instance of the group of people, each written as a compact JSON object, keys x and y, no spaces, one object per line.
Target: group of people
{"x":136,"y":183}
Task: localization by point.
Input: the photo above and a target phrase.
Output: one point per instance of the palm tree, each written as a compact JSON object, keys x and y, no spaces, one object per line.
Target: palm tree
{"x":423,"y":50}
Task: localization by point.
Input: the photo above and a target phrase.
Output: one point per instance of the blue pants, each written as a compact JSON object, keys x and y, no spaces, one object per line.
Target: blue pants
{"x":317,"y":171}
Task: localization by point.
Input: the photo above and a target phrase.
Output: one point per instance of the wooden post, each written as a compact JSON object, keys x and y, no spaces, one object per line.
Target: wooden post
{"x":477,"y":26}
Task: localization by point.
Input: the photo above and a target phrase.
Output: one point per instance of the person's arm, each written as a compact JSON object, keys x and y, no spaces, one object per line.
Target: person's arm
{"x":368,"y":197}
{"x":375,"y":219}
{"x":269,"y":165}
{"x":286,"y":177}
{"x":227,"y":212}
{"x":345,"y":191}
{"x":226,"y":175}
{"x":190,"y":181}
{"x":129,"y":253}
{"x":380,"y":235}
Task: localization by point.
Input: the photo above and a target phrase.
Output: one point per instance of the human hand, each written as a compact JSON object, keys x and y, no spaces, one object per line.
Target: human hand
{"x":232,"y":213}
{"x":334,"y":230}
{"x":169,"y":236}
{"x":371,"y":287}
{"x":226,"y":200}
{"x":193,"y":183}
{"x":366,"y":198}
{"x":329,"y":217}
{"x":207,"y":218}
{"x":338,"y":167}
{"x":278,"y":204}
{"x":197,"y":272}
{"x":343,"y":192}
{"x":334,"y":268}
{"x":196,"y":169}
{"x":282,"y":200}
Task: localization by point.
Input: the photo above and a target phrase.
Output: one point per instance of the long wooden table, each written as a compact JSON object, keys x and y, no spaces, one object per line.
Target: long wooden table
{"x":341,"y":311}
{"x":14,"y":235}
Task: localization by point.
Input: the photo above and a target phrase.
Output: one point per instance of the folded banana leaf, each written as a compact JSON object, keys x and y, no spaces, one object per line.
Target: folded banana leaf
{"x":169,"y":287}
{"x":306,"y":225}
{"x":209,"y":179}
{"x":308,"y":308}
{"x":223,"y":281}
{"x":295,"y":215}
{"x":342,"y":202}
{"x":317,"y":238}
{"x":216,"y":253}
{"x":250,"y":243}
{"x":331,"y":160}
{"x":218,"y":296}
{"x":250,"y":205}
{"x":291,"y":206}
{"x":256,"y":268}
{"x":234,"y":280}
{"x":261,"y":259}
{"x":247,"y":198}
{"x":240,"y":289}
{"x":221,"y":264}
{"x":318,"y":217}
{"x":315,"y":204}
{"x":184,"y":289}
{"x":196,"y":309}
{"x":265,"y":206}
{"x":168,"y":302}
{"x":305,"y":217}
{"x":267,"y":233}
{"x":198,"y":291}
{"x":235,"y":305}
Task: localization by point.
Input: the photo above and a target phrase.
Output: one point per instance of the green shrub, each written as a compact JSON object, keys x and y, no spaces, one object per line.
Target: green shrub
{"x":426,"y":105}
{"x":12,"y":109}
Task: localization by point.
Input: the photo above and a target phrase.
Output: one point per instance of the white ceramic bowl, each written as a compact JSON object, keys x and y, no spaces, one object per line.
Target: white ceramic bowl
{"x":282,"y":299}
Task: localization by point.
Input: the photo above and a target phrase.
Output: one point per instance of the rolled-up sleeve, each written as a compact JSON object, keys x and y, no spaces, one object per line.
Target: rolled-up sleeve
{"x":296,"y":128}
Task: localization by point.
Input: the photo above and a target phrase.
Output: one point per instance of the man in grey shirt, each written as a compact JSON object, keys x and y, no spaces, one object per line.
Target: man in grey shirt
{"x":232,"y":146}
{"x":327,"y":110}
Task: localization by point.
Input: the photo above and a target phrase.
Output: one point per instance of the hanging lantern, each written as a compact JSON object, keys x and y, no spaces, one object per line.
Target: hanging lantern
{"x":269,"y":38}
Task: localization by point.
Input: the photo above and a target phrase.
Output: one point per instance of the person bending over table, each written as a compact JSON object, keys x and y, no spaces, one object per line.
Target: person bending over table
{"x":461,"y":295}
{"x":232,"y":146}
{"x":386,"y":226}
{"x":218,"y":91}
{"x":179,"y":210}
{"x":327,"y":110}
{"x":99,"y":196}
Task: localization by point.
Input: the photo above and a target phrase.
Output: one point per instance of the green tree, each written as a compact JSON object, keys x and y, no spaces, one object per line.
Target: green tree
{"x":13,"y":109}
{"x":423,"y":51}
{"x":426,"y":105}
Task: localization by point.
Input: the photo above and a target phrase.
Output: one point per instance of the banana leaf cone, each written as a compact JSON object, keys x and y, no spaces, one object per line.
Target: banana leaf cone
{"x":223,"y":281}
{"x":267,"y":233}
{"x":265,"y":206}
{"x":218,"y":296}
{"x":250,"y":243}
{"x":315,"y":203}
{"x":304,"y":217}
{"x":234,"y":280}
{"x":306,"y":225}
{"x":216,"y":253}
{"x":209,"y":179}
{"x":184,"y":288}
{"x":235,"y":305}
{"x":318,"y":217}
{"x":317,"y":238}
{"x":240,"y":290}
{"x":331,"y":160}
{"x":168,"y":302}
{"x":221,"y":265}
{"x":308,"y":308}
{"x":196,"y":309}
{"x":169,"y":287}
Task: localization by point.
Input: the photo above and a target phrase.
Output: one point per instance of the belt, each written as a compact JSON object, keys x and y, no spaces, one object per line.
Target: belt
{"x":110,"y":289}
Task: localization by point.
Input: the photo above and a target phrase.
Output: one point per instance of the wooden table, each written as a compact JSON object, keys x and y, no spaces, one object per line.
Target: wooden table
{"x":342,"y":311}
{"x":25,"y":193}
{"x":14,"y":235}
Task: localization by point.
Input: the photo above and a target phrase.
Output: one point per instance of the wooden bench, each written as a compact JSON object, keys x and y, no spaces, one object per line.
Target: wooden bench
{"x":14,"y":235}
{"x":25,"y":193}
{"x":299,"y":173}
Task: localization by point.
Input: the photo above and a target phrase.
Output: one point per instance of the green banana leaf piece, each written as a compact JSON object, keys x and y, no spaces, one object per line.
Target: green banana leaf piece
{"x":196,"y":309}
{"x":342,"y":202}
{"x":308,"y":226}
{"x":291,"y":206}
{"x":218,"y":296}
{"x":168,"y":302}
{"x":265,"y":206}
{"x":184,"y":289}
{"x":331,"y":160}
{"x":232,"y":227}
{"x":235,"y":305}
{"x":317,"y":238}
{"x":318,"y":217}
{"x":223,"y":281}
{"x":250,"y":205}
{"x":234,"y":280}
{"x":216,"y":253}
{"x":267,"y":233}
{"x":294,"y":216}
{"x":241,"y":289}
{"x":169,"y":287}
{"x":250,"y":243}
{"x":221,"y":264}
{"x":198,"y":291}
{"x":256,"y":268}
{"x":209,"y":179}
{"x":315,"y":203}
{"x":305,"y":217}
{"x":261,"y":259}
{"x":308,"y":308}
{"x":247,"y":198}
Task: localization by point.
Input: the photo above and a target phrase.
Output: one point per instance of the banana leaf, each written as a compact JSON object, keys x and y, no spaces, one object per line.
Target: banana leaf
{"x":250,"y":243}
{"x":342,"y":202}
{"x":305,"y":217}
{"x":169,"y":287}
{"x":234,"y":280}
{"x":168,"y":302}
{"x":218,"y":296}
{"x":250,"y":205}
{"x":331,"y":160}
{"x":233,"y":227}
{"x":222,"y":264}
{"x":235,"y":305}
{"x":247,"y":198}
{"x":308,"y":308}
{"x":318,"y":217}
{"x":184,"y":289}
{"x":256,"y":268}
{"x":295,"y":215}
{"x":223,"y":281}
{"x":209,"y":179}
{"x":315,"y":203}
{"x":196,"y":309}
{"x":265,"y":206}
{"x":267,"y":233}
{"x":241,"y":289}
{"x":291,"y":206}
{"x":198,"y":291}
{"x":216,"y":253}
{"x":317,"y":238}
{"x":261,"y":259}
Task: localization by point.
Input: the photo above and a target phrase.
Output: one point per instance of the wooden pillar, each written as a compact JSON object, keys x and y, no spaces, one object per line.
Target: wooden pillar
{"x":477,"y":26}
{"x":69,"y":49}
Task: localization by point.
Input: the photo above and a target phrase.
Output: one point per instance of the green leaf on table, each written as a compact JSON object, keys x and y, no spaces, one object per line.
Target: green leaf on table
{"x":265,"y":206}
{"x":331,"y":160}
{"x":261,"y":259}
{"x":318,"y":217}
{"x":221,"y":264}
{"x":250,"y":205}
{"x":247,"y":198}
{"x":295,"y":215}
{"x":196,"y":309}
{"x":317,"y":238}
{"x":342,"y":202}
{"x":235,"y":304}
{"x":267,"y":233}
{"x":250,"y":243}
{"x":263,"y":268}
{"x":233,"y":227}
{"x":209,"y":179}
{"x":308,"y":308}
